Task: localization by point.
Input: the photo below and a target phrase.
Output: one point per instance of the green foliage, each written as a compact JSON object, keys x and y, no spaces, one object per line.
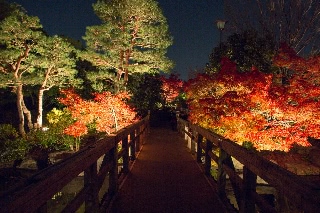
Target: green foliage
{"x":146,"y":90}
{"x":7,"y":132}
{"x":19,"y":38}
{"x":49,"y":140}
{"x":28,"y":57}
{"x":11,"y":146}
{"x":54,"y":138}
{"x":59,"y":118}
{"x":85,"y":67}
{"x":133,"y":38}
{"x":57,"y":63}
{"x":248,"y":145}
{"x":101,"y":80}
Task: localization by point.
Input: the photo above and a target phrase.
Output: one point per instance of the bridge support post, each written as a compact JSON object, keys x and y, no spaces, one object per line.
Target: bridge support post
{"x":113,"y":174}
{"x":249,"y":183}
{"x":226,"y":160}
{"x":133,"y":145}
{"x":138,"y":139}
{"x":207,"y":165}
{"x":90,"y":182}
{"x":199,"y":149}
{"x":125,"y":155}
{"x":222,"y":176}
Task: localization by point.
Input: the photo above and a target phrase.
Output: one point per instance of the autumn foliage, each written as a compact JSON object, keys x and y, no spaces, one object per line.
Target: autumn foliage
{"x":171,"y":87}
{"x":250,"y":107}
{"x":106,"y":112}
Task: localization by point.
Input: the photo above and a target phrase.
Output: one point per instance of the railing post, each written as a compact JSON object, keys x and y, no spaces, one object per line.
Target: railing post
{"x":199,"y":149}
{"x":137,"y":140}
{"x":225,"y":159}
{"x":207,"y":165}
{"x":179,"y":125}
{"x":186,"y":129}
{"x":148,"y":124}
{"x":193,"y":144}
{"x":113,"y":174}
{"x":221,"y":179}
{"x":90,"y":182}
{"x":125,"y":156}
{"x":133,"y":145}
{"x":249,"y":185}
{"x":143,"y":130}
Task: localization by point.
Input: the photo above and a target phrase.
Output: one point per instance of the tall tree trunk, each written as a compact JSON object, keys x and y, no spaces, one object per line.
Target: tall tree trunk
{"x":23,"y":111}
{"x":40,"y":97}
{"x":27,"y":113}
{"x":40,"y":109}
{"x":20,"y":110}
{"x":114,"y":115}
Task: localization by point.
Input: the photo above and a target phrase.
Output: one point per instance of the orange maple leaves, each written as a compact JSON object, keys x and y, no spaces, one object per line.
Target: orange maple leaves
{"x":249,"y":107}
{"x":171,"y":87}
{"x":107,"y":112}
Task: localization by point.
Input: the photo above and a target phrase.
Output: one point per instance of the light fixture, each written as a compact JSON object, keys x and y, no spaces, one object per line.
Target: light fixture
{"x":220,"y":24}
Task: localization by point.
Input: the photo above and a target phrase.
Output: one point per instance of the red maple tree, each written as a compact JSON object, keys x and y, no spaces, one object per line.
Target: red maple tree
{"x":107,"y":112}
{"x":171,"y":87}
{"x":248,"y":107}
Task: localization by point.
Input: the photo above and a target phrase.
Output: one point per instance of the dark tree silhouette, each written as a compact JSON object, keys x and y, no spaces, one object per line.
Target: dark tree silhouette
{"x":294,"y":22}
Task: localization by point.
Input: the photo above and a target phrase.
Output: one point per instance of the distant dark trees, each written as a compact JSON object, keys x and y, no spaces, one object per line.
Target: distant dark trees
{"x":294,"y":22}
{"x":246,"y":50}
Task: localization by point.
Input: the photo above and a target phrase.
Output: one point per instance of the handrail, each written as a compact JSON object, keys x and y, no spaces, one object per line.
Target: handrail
{"x":304,"y":195}
{"x":33,"y":194}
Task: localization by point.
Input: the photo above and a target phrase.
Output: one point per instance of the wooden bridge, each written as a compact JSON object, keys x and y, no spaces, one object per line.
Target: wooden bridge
{"x":142,"y":169}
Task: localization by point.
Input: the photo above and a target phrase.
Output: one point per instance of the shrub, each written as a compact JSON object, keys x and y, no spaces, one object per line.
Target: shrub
{"x":59,"y":120}
{"x":12,"y":147}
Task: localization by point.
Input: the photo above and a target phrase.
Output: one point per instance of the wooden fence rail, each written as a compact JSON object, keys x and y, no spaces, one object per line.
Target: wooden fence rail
{"x":32,"y":195}
{"x":303,"y":196}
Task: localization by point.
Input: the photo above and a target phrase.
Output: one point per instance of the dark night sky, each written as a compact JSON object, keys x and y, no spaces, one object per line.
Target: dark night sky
{"x":191,"y":23}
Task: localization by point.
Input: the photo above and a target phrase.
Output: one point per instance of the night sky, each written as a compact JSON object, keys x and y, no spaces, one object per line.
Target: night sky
{"x":191,"y":23}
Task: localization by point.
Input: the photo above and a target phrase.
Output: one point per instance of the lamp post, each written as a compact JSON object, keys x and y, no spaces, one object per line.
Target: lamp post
{"x":220,"y":25}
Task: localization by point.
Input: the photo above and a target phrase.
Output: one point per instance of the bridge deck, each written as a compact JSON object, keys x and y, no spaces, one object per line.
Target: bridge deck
{"x":165,"y":178}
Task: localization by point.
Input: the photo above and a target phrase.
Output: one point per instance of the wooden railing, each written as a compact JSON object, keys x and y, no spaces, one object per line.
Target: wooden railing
{"x":32,"y":195}
{"x":289,"y":188}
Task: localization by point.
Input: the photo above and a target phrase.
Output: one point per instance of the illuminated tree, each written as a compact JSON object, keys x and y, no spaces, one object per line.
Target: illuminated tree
{"x":56,"y":68}
{"x":19,"y":38}
{"x":171,"y":87}
{"x":30,"y":58}
{"x":248,"y":107}
{"x":133,"y":38}
{"x":106,"y":113}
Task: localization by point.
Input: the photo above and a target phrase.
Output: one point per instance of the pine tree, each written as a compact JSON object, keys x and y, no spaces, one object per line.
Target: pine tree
{"x":132,"y":38}
{"x":56,"y":68}
{"x":29,"y":57}
{"x":19,"y":37}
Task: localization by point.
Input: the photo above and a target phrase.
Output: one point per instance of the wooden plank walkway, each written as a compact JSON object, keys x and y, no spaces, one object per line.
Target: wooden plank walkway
{"x":165,"y":178}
